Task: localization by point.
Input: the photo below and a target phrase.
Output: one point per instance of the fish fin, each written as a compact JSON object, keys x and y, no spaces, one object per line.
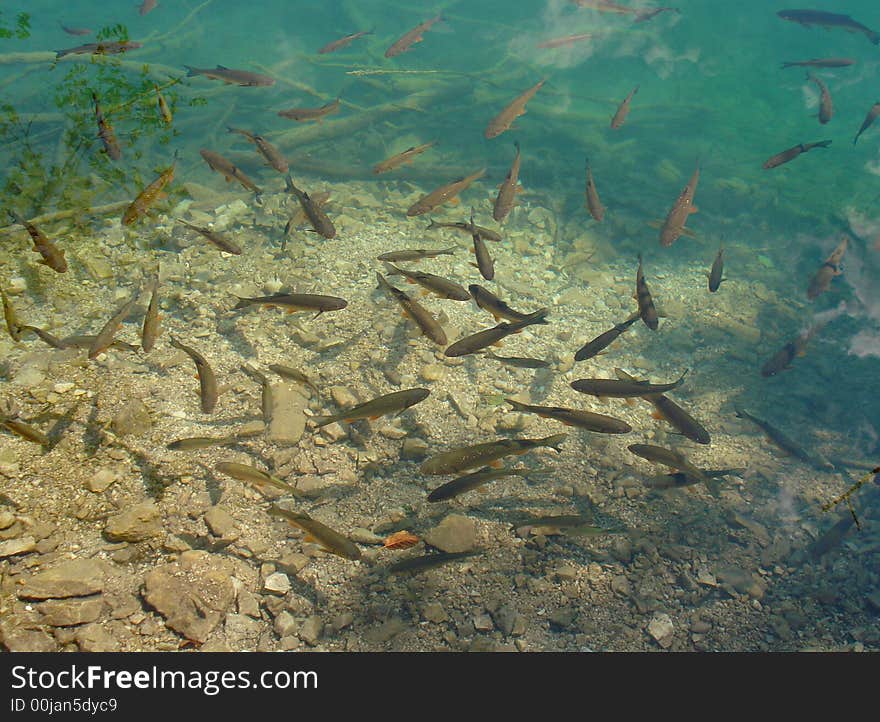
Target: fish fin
{"x":693,"y":209}
{"x":498,"y":343}
{"x":454,"y":201}
{"x":630,"y":402}
{"x":655,"y":223}
{"x":497,"y":464}
{"x":227,"y":178}
{"x":657,"y":415}
{"x":309,"y":538}
{"x":688,"y":232}
{"x":221,"y":67}
{"x":373,"y":418}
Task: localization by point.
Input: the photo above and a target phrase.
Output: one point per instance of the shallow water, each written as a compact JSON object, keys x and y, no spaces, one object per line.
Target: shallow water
{"x":736,"y":567}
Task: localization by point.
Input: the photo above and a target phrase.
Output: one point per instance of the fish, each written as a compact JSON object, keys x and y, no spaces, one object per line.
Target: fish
{"x":668,"y":457}
{"x":52,"y":256}
{"x":592,"y":202}
{"x":303,"y":115}
{"x":252,"y":475}
{"x":267,"y":403}
{"x":869,"y":120}
{"x":471,"y":457}
{"x":78,"y":341}
{"x":105,"y":132}
{"x":105,"y":336}
{"x":667,"y":409}
{"x":416,"y":565}
{"x":407,"y":156}
{"x":414,"y":254}
{"x":782,"y":359}
{"x":76,"y":31}
{"x":567,"y":40}
{"x":821,"y":280}
{"x":603,"y":340}
{"x":207,"y":380}
{"x":680,"y":479}
{"x":826,"y":106}
{"x":616,"y":388}
{"x":102,"y":48}
{"x":682,"y":208}
{"x":148,"y":196}
{"x":650,"y":13}
{"x":12,"y":325}
{"x":599,"y":423}
{"x":343,"y":42}
{"x":485,"y":264}
{"x":25,"y":431}
{"x":466,"y":227}
{"x":411,"y":37}
{"x":506,"y":198}
{"x":329,"y":540}
{"x":164,"y":110}
{"x":273,"y":156}
{"x":223,"y":243}
{"x":792,"y":153}
{"x":716,"y":272}
{"x":784,"y":442}
{"x":435,"y":284}
{"x":286,"y":372}
{"x":511,"y":112}
{"x":395,"y":402}
{"x":146,"y":6}
{"x":647,"y":312}
{"x":519,"y":362}
{"x":421,"y":316}
{"x":831,"y":537}
{"x":828,"y":21}
{"x":562,"y":524}
{"x":819,"y":63}
{"x":622,"y":111}
{"x":228,"y":169}
{"x":488,"y":301}
{"x":229,"y":76}
{"x":471,"y":481}
{"x":443,"y":194}
{"x":296,"y":302}
{"x":606,"y":6}
{"x":195,"y":443}
{"x":488,"y":337}
{"x":321,"y":223}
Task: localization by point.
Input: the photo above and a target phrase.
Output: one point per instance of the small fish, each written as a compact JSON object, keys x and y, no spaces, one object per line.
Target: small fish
{"x":561,"y":524}
{"x":819,"y":63}
{"x":267,"y":403}
{"x":102,"y":48}
{"x":302,"y":115}
{"x":506,"y":198}
{"x":716,"y":272}
{"x":488,"y":301}
{"x":680,"y":479}
{"x":623,"y":110}
{"x":481,"y":339}
{"x":105,"y":336}
{"x":435,"y":284}
{"x":207,"y":380}
{"x":599,"y":423}
{"x":667,"y":457}
{"x":603,"y":340}
{"x":466,"y":227}
{"x":146,"y":6}
{"x":615,"y":388}
{"x":12,"y":325}
{"x":792,"y":153}
{"x":592,"y":202}
{"x":231,"y":77}
{"x":78,"y":341}
{"x":252,"y":475}
{"x":321,"y":223}
{"x":272,"y":155}
{"x":511,"y":112}
{"x":76,"y":31}
{"x":826,"y":107}
{"x":443,"y":194}
{"x":821,"y":280}
{"x":296,"y":302}
{"x":422,"y":317}
{"x":406,"y":156}
{"x":472,"y":457}
{"x":567,"y":40}
{"x":416,"y":565}
{"x":286,"y":372}
{"x":645,"y":15}
{"x":25,"y":431}
{"x":148,"y":196}
{"x":223,"y":243}
{"x":678,"y":215}
{"x":228,"y":169}
{"x":784,"y":442}
{"x":330,"y":540}
{"x":869,"y":120}
{"x":828,"y":21}
{"x":782,"y":359}
{"x":414,"y":254}
{"x":53,"y":257}
{"x":520,"y":362}
{"x":396,"y":402}
{"x":105,"y":132}
{"x":485,"y":264}
{"x":164,"y":110}
{"x":647,"y":312}
{"x":195,"y":443}
{"x":343,"y":42}
{"x":471,"y":481}
{"x":411,"y":37}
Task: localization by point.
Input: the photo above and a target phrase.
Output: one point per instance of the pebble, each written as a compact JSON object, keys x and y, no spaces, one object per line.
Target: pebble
{"x":288,"y":420}
{"x":311,"y":630}
{"x":414,"y":449}
{"x":285,"y":624}
{"x":101,"y":480}
{"x":248,"y":604}
{"x":7,"y":519}
{"x":365,"y":536}
{"x":433,"y":372}
{"x":16,"y":639}
{"x":133,"y":418}
{"x":71,"y":612}
{"x":434,"y":612}
{"x":220,"y":523}
{"x":277,"y":583}
{"x":341,"y":621}
{"x":483,"y":623}
{"x":13,"y":547}
{"x":456,"y":533}
{"x":137,"y":524}
{"x":661,"y":629}
{"x":385,"y":631}
{"x":74,"y":578}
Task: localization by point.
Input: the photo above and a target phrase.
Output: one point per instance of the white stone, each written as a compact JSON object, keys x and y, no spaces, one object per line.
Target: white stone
{"x":661,"y":629}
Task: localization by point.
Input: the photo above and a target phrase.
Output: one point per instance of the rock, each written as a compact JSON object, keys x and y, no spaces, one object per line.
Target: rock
{"x":456,"y":533}
{"x":621,"y":550}
{"x":193,"y":593}
{"x":94,"y":638}
{"x":342,"y":397}
{"x":101,"y":480}
{"x":700,"y":626}
{"x":288,"y":414}
{"x":433,"y":372}
{"x":22,"y":545}
{"x":71,"y":612}
{"x":7,"y":519}
{"x":504,"y":618}
{"x":133,"y":418}
{"x":74,"y":578}
{"x":620,"y":585}
{"x":742,"y":580}
{"x":566,"y":572}
{"x":285,"y":624}
{"x":220,"y":523}
{"x":277,"y":583}
{"x":16,"y":639}
{"x":435,"y":613}
{"x":563,"y":617}
{"x":341,"y":621}
{"x":248,"y":604}
{"x":661,"y":629}
{"x":483,"y":623}
{"x":364,"y":536}
{"x":241,"y":631}
{"x":414,"y":449}
{"x":385,"y":631}
{"x":311,"y":630}
{"x":141,"y":522}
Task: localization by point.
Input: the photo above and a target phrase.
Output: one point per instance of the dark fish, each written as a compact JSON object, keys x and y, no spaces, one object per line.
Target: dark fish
{"x":411,"y":37}
{"x":680,"y":479}
{"x":717,"y":271}
{"x":487,"y":233}
{"x":599,"y":423}
{"x":231,"y":77}
{"x":784,"y":442}
{"x":228,"y":169}
{"x":12,"y":325}
{"x":674,"y":225}
{"x":146,"y":6}
{"x":511,"y":112}
{"x":603,"y":340}
{"x":398,"y":160}
{"x":422,"y":317}
{"x":781,"y":360}
{"x":414,"y":254}
{"x":519,"y":362}
{"x":148,"y":196}
{"x":305,"y":114}
{"x":826,"y":106}
{"x":471,"y":457}
{"x":623,"y":109}
{"x":573,"y":524}
{"x":485,"y":264}
{"x":164,"y":110}
{"x":821,"y":280}
{"x":223,"y":243}
{"x":471,"y":481}
{"x":343,"y":42}
{"x":488,"y":301}
{"x":287,"y":372}
{"x":832,"y":537}
{"x":53,"y":257}
{"x":828,"y":21}
{"x":252,"y":475}
{"x":105,"y":336}
{"x":792,"y":153}
{"x":207,"y":380}
{"x":76,"y":31}
{"x":647,"y":312}
{"x":78,"y":341}
{"x":395,"y":402}
{"x":296,"y":302}
{"x":267,"y":403}
{"x":481,"y":339}
{"x":645,"y":15}
{"x":436,"y":284}
{"x":194,"y":443}
{"x":330,"y":540}
{"x":819,"y":63}
{"x":415,"y":565}
{"x":593,"y":204}
{"x":567,"y":40}
{"x":506,"y":198}
{"x":667,"y":457}
{"x":443,"y":194}
{"x":102,"y":48}
{"x":869,"y":120}
{"x":105,"y":132}
{"x":272,"y":155}
{"x":616,"y":388}
{"x":321,"y":223}
{"x":25,"y":431}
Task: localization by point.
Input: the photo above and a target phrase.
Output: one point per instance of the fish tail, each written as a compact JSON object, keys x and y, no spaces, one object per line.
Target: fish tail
{"x":242,"y":303}
{"x":787,"y":65}
{"x":190,"y":71}
{"x":515,"y":404}
{"x":432,"y":224}
{"x":319,"y":421}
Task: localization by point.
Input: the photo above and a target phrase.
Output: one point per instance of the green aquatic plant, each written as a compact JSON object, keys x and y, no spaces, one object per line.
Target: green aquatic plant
{"x":21,"y":29}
